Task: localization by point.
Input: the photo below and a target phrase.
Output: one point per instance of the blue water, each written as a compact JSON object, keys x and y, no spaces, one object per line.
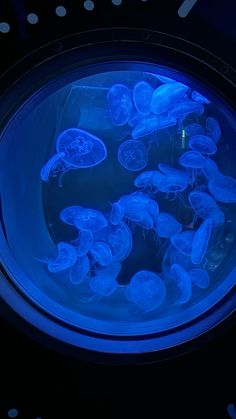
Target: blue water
{"x":118,"y":199}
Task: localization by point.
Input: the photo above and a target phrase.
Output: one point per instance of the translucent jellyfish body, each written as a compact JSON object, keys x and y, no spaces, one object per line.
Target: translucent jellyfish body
{"x":101,"y":252}
{"x":167,"y":226}
{"x":174,"y":172}
{"x":65,"y":259}
{"x":199,"y":98}
{"x":166,"y":95}
{"x":81,"y":148}
{"x":200,"y":241}
{"x":119,"y":101}
{"x":80,"y":270}
{"x":117,"y":213}
{"x":147,"y":290}
{"x":210,"y":169}
{"x":183,"y":242}
{"x":172,"y":184}
{"x":152,"y":123}
{"x":89,"y":219}
{"x":119,"y":239}
{"x":186,"y":107}
{"x":142,"y":96}
{"x":52,"y":167}
{"x":132,"y":155}
{"x":223,"y":188}
{"x":140,"y":208}
{"x":68,"y":214}
{"x":149,"y":181}
{"x":184,"y":283}
{"x":206,"y":207}
{"x":103,"y":285}
{"x":84,"y":242}
{"x":192,"y":160}
{"x":213,"y":129}
{"x":202,"y":144}
{"x":194,"y":129}
{"x":200,"y":277}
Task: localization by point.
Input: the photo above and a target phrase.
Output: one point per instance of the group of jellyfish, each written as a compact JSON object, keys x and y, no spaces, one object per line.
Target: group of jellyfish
{"x":104,"y":240}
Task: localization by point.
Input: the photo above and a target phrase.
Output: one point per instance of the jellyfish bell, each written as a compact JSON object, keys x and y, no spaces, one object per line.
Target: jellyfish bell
{"x":146,"y":290}
{"x":103,"y":285}
{"x":194,"y":129}
{"x":149,"y":181}
{"x":142,"y":96}
{"x":202,"y":203}
{"x":166,"y":95}
{"x":213,"y":129}
{"x":184,"y":283}
{"x":167,"y":226}
{"x":65,"y":259}
{"x":210,"y":169}
{"x":84,"y":242}
{"x":152,"y":123}
{"x":119,"y":101}
{"x":132,"y":155}
{"x":121,"y":242}
{"x":174,"y":172}
{"x":117,"y":213}
{"x":52,"y":167}
{"x":192,"y":160}
{"x":183,"y":242}
{"x":112,"y":270}
{"x":200,"y":241}
{"x":101,"y":252}
{"x":185,"y":108}
{"x":79,"y":272}
{"x":68,"y":214}
{"x":198,"y":97}
{"x":202,"y":144}
{"x":223,"y":188}
{"x":172,"y":184}
{"x":82,"y":149}
{"x":200,"y":277}
{"x":89,"y":219}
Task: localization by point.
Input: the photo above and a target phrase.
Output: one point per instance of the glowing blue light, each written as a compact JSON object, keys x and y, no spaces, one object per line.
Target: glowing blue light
{"x":101,"y":252}
{"x":184,"y":108}
{"x":194,"y":129}
{"x":149,"y":181}
{"x":103,"y":284}
{"x":142,"y":96}
{"x":4,"y":27}
{"x":90,"y":219}
{"x":200,"y":241}
{"x":89,"y":5}
{"x":202,"y":144}
{"x":67,"y":215}
{"x":84,"y":242}
{"x":12,"y":413}
{"x":119,"y":100}
{"x":32,"y":18}
{"x":213,"y":129}
{"x":117,"y":213}
{"x":167,"y":226}
{"x":199,"y":98}
{"x":66,"y":258}
{"x":152,"y":123}
{"x":223,"y":188}
{"x":200,"y":277}
{"x":183,"y":242}
{"x":132,"y":155}
{"x":80,"y":270}
{"x":184,"y":284}
{"x":117,"y":2}
{"x":172,"y":184}
{"x":60,"y":11}
{"x":192,"y":159}
{"x":166,"y":95}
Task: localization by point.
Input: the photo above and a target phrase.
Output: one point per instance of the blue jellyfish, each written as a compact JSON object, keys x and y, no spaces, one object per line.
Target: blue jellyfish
{"x":152,"y":123}
{"x":183,"y":242}
{"x":68,"y":214}
{"x":132,"y":155}
{"x":172,"y":184}
{"x":52,"y":167}
{"x":174,"y":172}
{"x":84,"y":242}
{"x":149,"y":180}
{"x":101,"y":252}
{"x":103,"y":285}
{"x":213,"y":129}
{"x":147,"y":290}
{"x":120,"y":241}
{"x":184,"y":283}
{"x":194,"y":129}
{"x":223,"y":188}
{"x":202,"y":203}
{"x":81,"y":148}
{"x":217,"y":217}
{"x":200,"y":241}
{"x":192,"y":161}
{"x":65,"y":259}
{"x":117,"y":213}
{"x":138,"y":205}
{"x":167,"y":226}
{"x":171,"y":256}
{"x":163,"y":79}
{"x":186,"y":107}
{"x":166,"y":95}
{"x":79,"y":272}
{"x":119,"y":101}
{"x":210,"y":169}
{"x":135,"y":118}
{"x":202,"y":144}
{"x":111,"y":270}
{"x":89,"y":219}
{"x":200,"y":277}
{"x":142,"y":96}
{"x":199,"y":98}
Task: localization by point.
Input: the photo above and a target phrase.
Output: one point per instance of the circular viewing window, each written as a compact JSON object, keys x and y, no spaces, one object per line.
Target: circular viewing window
{"x":118,"y":193}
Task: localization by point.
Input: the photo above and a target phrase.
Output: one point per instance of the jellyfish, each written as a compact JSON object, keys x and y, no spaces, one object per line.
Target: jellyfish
{"x":132,"y":155}
{"x":147,"y":290}
{"x":192,"y":161}
{"x":183,"y":242}
{"x":172,"y":185}
{"x":210,"y":169}
{"x":149,"y":181}
{"x":82,"y":149}
{"x":68,"y":214}
{"x":200,"y":241}
{"x":194,"y":129}
{"x":84,"y":242}
{"x":186,"y":107}
{"x":174,"y":172}
{"x":142,"y":96}
{"x":202,"y":203}
{"x":101,"y":252}
{"x":202,"y":144}
{"x":213,"y":129}
{"x":152,"y":123}
{"x":117,"y":213}
{"x":89,"y":219}
{"x":120,"y":241}
{"x":80,"y":270}
{"x":223,"y":188}
{"x":138,"y":205}
{"x":52,"y":167}
{"x":184,"y":283}
{"x":166,"y":95}
{"x":199,"y":98}
{"x":163,"y":79}
{"x":65,"y":259}
{"x":135,"y":118}
{"x":119,"y":101}
{"x":200,"y":277}
{"x":167,"y":226}
{"x":171,"y":256}
{"x":103,"y":285}
{"x":112,"y":270}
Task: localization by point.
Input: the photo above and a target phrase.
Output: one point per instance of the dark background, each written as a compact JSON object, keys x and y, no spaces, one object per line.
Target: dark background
{"x":41,"y":382}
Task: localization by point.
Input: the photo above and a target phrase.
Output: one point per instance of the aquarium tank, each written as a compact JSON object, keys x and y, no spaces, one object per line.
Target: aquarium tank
{"x":118,"y":204}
